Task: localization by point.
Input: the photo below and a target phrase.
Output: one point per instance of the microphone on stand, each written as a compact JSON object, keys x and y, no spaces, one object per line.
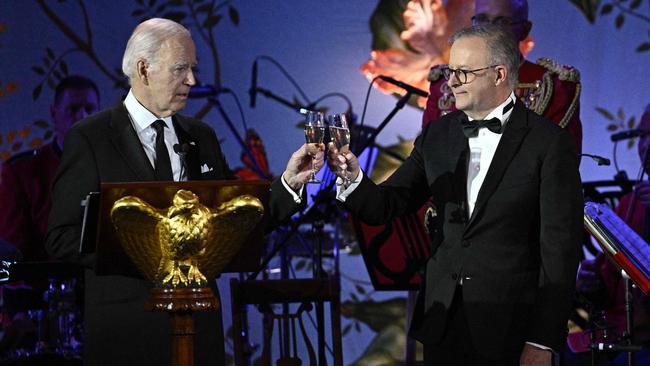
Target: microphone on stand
{"x":181,"y":150}
{"x":405,"y":86}
{"x":598,"y":159}
{"x":253,"y":90}
{"x":204,"y":91}
{"x":624,"y":135}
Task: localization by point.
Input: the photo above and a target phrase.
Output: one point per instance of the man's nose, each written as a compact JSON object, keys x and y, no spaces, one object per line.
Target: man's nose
{"x":190,"y":80}
{"x":453,"y":81}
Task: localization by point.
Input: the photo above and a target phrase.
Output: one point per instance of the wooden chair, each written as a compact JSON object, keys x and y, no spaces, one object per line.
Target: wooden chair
{"x":304,"y":292}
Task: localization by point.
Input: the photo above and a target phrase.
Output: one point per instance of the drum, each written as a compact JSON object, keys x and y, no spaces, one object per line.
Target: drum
{"x":41,"y":316}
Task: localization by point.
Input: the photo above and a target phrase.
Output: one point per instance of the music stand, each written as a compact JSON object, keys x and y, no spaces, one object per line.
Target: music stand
{"x":627,"y":250}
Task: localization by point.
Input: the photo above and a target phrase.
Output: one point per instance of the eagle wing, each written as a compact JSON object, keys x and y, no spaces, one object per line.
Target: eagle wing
{"x":135,"y":223}
{"x":230,"y":224}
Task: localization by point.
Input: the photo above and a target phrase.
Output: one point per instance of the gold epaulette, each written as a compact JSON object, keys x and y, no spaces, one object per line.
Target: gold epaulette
{"x":436,"y":72}
{"x":563,"y":72}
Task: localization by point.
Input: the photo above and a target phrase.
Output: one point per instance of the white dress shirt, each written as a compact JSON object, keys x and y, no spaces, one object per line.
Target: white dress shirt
{"x":142,"y":121}
{"x":482,"y":149}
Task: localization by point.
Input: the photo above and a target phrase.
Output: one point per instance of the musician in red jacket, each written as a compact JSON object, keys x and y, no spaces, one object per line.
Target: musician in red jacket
{"x":26,"y":182}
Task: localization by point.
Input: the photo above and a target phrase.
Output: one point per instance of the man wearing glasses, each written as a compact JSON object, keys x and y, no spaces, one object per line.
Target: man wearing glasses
{"x":500,"y":278}
{"x":547,"y":88}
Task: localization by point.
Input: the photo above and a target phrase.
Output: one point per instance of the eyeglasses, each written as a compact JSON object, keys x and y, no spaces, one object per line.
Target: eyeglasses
{"x":462,"y":75}
{"x":501,"y":20}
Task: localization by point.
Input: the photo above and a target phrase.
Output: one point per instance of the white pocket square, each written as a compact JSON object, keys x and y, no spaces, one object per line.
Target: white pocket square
{"x":205,"y":168}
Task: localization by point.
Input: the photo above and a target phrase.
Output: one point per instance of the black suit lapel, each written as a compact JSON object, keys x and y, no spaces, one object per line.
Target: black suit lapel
{"x":513,"y":135}
{"x":128,"y":144}
{"x":185,"y":136}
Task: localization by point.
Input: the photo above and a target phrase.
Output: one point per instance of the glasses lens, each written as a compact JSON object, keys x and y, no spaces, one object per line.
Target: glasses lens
{"x":461,"y":75}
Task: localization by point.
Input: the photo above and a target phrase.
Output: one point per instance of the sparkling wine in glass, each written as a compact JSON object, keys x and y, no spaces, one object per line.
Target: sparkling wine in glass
{"x":314,"y":134}
{"x":340,"y":135}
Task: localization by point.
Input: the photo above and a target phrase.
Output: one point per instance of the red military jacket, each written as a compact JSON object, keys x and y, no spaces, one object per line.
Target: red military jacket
{"x":549,"y":89}
{"x":25,"y":196}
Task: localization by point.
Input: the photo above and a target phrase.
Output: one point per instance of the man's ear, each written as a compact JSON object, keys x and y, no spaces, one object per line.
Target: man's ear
{"x":142,"y":72}
{"x":501,"y":75}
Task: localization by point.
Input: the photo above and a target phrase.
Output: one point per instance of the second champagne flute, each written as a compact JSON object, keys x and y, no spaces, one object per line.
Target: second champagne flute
{"x":340,"y":135}
{"x":314,"y":133}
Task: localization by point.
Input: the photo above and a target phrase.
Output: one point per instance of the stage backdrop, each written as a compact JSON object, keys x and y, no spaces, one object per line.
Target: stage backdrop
{"x":322,"y":45}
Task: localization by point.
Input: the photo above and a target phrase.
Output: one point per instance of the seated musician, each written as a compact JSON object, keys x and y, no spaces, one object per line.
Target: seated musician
{"x":601,"y":281}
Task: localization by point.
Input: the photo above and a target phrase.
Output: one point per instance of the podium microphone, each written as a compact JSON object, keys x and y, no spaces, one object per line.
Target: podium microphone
{"x":253,"y":90}
{"x":405,"y":86}
{"x":624,"y":135}
{"x":181,"y":150}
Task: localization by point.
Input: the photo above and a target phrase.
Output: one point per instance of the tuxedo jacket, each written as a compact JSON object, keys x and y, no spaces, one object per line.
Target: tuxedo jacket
{"x":105,"y":148}
{"x":517,"y":254}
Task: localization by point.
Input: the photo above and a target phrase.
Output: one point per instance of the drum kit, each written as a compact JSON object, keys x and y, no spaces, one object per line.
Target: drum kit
{"x":41,"y":320}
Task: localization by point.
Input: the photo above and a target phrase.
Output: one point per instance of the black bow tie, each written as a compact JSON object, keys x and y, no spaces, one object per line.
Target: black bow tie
{"x":470,"y":128}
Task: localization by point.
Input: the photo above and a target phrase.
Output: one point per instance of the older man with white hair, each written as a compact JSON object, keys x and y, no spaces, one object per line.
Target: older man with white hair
{"x":133,"y":141}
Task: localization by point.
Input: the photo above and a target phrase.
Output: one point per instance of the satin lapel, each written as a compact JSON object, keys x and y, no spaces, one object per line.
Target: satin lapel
{"x":185,"y":136}
{"x":128,"y":144}
{"x":459,"y":155}
{"x":513,"y":135}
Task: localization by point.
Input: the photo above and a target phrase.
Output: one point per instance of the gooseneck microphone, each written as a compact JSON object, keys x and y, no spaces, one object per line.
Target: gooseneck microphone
{"x":253,"y":90}
{"x":624,"y":135}
{"x":405,"y":86}
{"x":598,"y":159}
{"x":181,"y":150}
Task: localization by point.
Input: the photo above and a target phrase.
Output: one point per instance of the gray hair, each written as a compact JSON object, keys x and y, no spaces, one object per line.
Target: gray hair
{"x":501,"y":46}
{"x":146,"y":40}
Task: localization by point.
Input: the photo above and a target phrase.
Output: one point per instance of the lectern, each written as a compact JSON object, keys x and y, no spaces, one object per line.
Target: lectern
{"x":180,"y":236}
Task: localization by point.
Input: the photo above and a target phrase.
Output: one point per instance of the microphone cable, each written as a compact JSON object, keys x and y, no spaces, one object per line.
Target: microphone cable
{"x":286,"y":74}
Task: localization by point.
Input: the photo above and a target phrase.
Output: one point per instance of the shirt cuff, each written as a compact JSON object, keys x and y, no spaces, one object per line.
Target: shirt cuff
{"x":297,"y":197}
{"x":343,"y":192}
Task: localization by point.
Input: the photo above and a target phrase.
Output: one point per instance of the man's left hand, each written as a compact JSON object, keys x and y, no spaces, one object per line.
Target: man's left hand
{"x":535,"y":356}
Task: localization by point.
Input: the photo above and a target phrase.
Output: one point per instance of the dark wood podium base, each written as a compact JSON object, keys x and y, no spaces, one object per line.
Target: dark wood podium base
{"x":180,"y":304}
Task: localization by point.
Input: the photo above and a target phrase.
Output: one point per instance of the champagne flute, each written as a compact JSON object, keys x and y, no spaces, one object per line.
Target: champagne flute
{"x":340,"y":135}
{"x":314,"y":133}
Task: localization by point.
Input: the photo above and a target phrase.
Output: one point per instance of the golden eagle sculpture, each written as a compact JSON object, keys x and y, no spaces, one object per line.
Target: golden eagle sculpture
{"x":187,"y":243}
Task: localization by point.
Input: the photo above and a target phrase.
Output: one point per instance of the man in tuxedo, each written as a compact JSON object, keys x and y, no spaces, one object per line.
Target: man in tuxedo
{"x":134,"y":141}
{"x":557,"y":95}
{"x":499,"y":280}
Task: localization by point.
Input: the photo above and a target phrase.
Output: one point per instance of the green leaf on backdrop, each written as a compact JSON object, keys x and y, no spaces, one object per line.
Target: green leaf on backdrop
{"x":588,"y":8}
{"x":605,"y":113}
{"x":643,"y":47}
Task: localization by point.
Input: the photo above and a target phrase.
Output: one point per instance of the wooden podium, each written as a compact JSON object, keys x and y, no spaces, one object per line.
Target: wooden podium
{"x":112,"y":258}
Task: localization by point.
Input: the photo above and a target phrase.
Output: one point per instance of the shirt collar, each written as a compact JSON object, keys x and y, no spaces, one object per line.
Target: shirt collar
{"x":498,"y":112}
{"x":141,"y":116}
